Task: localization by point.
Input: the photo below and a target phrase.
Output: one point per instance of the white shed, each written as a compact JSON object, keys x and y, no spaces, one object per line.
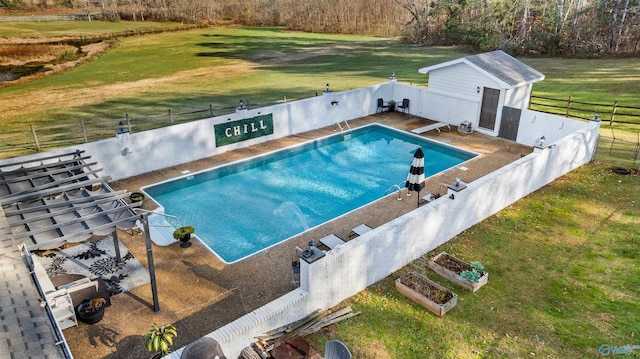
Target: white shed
{"x":493,"y":88}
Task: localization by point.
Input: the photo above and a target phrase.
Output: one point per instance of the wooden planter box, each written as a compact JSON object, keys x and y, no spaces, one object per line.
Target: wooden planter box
{"x":450,"y":267}
{"x":431,"y":295}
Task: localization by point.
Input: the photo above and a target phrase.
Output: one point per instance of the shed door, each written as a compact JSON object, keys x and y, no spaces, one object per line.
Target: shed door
{"x":509,"y":123}
{"x":490,"y":98}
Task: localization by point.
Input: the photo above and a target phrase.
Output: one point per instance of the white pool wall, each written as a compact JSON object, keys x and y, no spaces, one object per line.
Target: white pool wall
{"x":174,"y":145}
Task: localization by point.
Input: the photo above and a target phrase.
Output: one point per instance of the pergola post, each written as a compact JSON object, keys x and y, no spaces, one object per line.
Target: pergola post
{"x":152,"y":273}
{"x":116,"y":245}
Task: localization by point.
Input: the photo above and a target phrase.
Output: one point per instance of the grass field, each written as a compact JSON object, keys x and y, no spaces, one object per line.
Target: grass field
{"x":564,"y":279}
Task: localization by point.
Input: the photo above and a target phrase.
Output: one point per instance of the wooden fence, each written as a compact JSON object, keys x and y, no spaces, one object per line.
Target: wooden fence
{"x":613,"y":113}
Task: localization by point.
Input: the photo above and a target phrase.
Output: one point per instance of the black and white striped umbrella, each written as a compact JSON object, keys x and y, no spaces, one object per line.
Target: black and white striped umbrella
{"x":415,"y":179}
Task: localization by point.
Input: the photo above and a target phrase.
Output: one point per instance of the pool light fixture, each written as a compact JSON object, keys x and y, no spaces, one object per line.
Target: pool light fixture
{"x":327,"y":90}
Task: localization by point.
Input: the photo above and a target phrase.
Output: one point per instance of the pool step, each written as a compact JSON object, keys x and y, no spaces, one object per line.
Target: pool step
{"x":160,"y":230}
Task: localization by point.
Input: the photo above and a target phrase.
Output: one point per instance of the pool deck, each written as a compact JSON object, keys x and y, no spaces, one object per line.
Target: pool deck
{"x":198,"y":293}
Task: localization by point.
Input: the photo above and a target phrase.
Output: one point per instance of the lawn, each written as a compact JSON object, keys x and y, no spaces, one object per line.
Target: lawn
{"x":564,"y":279}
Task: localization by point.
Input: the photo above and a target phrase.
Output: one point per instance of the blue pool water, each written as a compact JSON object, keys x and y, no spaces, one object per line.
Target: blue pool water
{"x":245,"y":207}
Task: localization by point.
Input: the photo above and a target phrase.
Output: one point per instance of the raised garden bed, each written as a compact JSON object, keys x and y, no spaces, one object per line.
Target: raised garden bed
{"x":431,"y":295}
{"x":451,"y":268}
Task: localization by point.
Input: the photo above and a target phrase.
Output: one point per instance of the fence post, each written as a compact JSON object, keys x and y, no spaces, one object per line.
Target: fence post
{"x":568,"y":106}
{"x":84,"y":131}
{"x":35,"y":137}
{"x":613,"y":112}
{"x":211,"y":110}
{"x":170,"y":118}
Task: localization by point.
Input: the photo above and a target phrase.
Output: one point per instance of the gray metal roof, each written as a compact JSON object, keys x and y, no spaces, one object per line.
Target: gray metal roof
{"x":506,"y":68}
{"x":499,"y":65}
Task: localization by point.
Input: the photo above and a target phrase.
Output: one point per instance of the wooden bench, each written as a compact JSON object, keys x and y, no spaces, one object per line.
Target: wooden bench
{"x":433,"y":126}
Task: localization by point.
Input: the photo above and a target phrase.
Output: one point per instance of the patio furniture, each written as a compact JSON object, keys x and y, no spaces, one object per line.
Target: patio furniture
{"x":360,"y":230}
{"x":332,"y":241}
{"x":335,"y":349}
{"x":381,"y":106}
{"x":203,"y":348}
{"x":433,"y":126}
{"x":81,"y":287}
{"x":404,"y":107}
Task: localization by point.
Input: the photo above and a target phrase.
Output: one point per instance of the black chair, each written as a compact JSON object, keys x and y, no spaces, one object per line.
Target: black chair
{"x":381,"y":106}
{"x":405,"y":105}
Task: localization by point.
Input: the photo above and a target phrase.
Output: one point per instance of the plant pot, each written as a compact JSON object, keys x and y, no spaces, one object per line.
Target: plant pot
{"x":87,"y":316}
{"x":136,"y":197}
{"x":185,"y":241}
{"x":450,"y":268}
{"x":435,"y":298}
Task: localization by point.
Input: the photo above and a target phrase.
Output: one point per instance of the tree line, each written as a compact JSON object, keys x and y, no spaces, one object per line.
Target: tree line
{"x":519,"y":27}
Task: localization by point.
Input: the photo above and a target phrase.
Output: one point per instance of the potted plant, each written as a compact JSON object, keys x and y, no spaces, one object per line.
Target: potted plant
{"x":136,"y":197}
{"x":392,"y":105}
{"x":183,"y":234}
{"x":471,"y":276}
{"x":435,"y":298}
{"x":159,"y":339}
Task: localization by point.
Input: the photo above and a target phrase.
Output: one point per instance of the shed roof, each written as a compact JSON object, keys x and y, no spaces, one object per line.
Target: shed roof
{"x":505,"y":69}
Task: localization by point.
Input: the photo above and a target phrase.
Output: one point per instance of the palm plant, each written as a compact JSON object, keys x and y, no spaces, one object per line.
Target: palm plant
{"x":160,"y":338}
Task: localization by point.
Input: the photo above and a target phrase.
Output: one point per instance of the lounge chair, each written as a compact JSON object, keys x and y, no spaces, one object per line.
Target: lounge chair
{"x":335,"y":349}
{"x":434,"y":126}
{"x":381,"y":106}
{"x":404,"y":107}
{"x":360,"y":230}
{"x":332,"y":241}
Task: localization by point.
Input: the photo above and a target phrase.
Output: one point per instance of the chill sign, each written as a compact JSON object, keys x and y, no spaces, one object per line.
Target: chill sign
{"x":242,"y":130}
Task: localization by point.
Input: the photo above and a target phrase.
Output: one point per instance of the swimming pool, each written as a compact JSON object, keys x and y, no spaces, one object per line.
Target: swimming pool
{"x":247,"y":206}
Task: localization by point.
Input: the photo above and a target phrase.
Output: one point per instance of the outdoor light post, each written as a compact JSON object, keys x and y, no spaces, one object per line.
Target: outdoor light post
{"x":122,"y":133}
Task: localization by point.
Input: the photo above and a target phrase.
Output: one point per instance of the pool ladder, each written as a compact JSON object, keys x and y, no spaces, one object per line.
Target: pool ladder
{"x":396,"y":186}
{"x":342,"y":129}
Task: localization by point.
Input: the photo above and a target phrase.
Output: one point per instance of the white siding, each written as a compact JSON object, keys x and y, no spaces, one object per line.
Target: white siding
{"x":518,"y":97}
{"x":459,"y":80}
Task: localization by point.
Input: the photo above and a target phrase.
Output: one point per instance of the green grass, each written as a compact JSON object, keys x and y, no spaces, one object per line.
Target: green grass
{"x":564,"y":279}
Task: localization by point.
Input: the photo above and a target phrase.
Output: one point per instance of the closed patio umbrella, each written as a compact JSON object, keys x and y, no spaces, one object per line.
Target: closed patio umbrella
{"x":415,"y":179}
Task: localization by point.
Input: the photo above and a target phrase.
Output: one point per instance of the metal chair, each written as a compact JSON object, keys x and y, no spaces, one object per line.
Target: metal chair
{"x":335,"y":349}
{"x":381,"y":106}
{"x":405,"y":105}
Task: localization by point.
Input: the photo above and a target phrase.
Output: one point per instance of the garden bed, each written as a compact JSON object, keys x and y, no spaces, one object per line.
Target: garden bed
{"x":451,"y":268}
{"x":422,"y":290}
